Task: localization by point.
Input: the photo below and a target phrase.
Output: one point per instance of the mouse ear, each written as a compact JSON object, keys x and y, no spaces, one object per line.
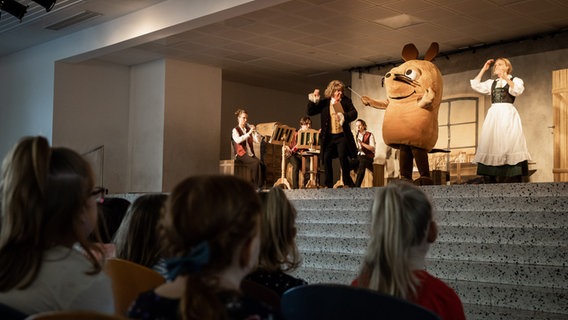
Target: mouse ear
{"x":432,"y":51}
{"x":409,"y":52}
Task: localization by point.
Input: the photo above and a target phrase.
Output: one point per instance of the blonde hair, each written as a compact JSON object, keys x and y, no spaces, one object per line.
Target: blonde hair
{"x":333,"y":86}
{"x":278,"y":251}
{"x":44,"y":191}
{"x":400,"y":218}
{"x":507,"y":63}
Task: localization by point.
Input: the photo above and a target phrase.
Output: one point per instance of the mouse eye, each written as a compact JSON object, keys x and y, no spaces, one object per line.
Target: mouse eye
{"x":412,"y":74}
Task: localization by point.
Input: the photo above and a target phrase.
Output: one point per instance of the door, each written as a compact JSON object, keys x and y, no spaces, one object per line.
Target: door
{"x":560,"y":124}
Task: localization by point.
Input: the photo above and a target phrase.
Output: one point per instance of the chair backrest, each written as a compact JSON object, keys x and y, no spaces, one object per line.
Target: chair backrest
{"x":9,"y":313}
{"x":262,"y":293}
{"x":129,"y":280}
{"x":73,"y":315}
{"x":330,"y":301}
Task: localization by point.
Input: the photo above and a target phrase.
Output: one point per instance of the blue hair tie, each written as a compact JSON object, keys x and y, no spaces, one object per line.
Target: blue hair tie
{"x":193,"y":262}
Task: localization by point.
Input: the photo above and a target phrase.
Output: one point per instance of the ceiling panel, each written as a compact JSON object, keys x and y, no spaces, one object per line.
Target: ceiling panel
{"x":301,"y":41}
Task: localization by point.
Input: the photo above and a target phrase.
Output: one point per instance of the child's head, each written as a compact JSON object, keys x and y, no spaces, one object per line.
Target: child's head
{"x":211,"y":226}
{"x":48,"y":199}
{"x":401,"y":219}
{"x":305,"y":123}
{"x":137,"y":238}
{"x":111,"y":214}
{"x":278,"y":233}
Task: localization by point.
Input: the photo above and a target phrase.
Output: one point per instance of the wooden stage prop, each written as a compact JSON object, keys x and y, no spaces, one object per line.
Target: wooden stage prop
{"x":283,"y":135}
{"x":309,"y":141}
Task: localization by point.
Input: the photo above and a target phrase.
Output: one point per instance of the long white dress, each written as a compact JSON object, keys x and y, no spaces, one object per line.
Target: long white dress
{"x":502,"y":141}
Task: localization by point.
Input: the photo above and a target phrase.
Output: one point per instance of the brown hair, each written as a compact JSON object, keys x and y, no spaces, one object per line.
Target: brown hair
{"x":44,"y":192}
{"x":239,"y":112}
{"x":137,"y":238}
{"x":305,"y":121}
{"x":220,"y":210}
{"x":278,"y":250}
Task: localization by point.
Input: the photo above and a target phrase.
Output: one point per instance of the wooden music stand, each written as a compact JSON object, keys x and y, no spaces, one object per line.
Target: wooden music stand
{"x":309,"y":140}
{"x":283,"y":134}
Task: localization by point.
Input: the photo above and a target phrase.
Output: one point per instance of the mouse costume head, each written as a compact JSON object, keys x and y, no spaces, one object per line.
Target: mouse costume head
{"x":414,"y":91}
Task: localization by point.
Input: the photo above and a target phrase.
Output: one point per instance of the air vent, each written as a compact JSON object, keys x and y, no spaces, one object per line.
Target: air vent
{"x":75,"y":19}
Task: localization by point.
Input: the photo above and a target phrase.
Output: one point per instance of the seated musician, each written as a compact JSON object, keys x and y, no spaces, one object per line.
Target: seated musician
{"x":294,"y":154}
{"x":365,"y":151}
{"x":243,"y":136}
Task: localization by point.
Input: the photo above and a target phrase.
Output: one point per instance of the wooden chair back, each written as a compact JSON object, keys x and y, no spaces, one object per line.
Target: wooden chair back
{"x":128,"y":281}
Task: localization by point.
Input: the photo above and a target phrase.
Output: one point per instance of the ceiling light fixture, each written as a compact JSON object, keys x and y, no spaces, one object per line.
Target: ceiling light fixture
{"x":14,"y":8}
{"x":399,"y":21}
{"x":47,"y":4}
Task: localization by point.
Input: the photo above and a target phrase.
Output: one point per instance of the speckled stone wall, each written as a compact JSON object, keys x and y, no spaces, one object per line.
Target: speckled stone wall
{"x":502,"y":247}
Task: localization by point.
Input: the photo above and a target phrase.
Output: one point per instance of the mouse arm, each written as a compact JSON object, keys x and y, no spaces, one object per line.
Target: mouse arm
{"x":427,"y":98}
{"x":374,"y":103}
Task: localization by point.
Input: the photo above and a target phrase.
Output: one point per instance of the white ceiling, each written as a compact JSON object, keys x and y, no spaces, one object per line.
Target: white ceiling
{"x":306,"y":41}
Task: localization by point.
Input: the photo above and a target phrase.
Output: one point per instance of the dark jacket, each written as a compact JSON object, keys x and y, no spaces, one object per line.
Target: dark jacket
{"x":350,"y":114}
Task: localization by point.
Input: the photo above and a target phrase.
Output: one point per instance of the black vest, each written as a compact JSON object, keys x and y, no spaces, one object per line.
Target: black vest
{"x":499,"y":95}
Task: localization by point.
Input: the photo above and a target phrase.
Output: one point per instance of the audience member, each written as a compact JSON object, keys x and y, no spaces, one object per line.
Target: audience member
{"x":402,"y":228}
{"x":243,"y":135}
{"x":337,"y":112}
{"x":212,"y":229}
{"x":48,"y":211}
{"x":365,"y":151}
{"x":278,"y":251}
{"x":295,"y":154}
{"x":111,"y":212}
{"x":137,"y":238}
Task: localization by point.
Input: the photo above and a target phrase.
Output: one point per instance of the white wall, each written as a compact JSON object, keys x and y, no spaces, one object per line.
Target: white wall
{"x":27,"y":77}
{"x":91,"y":110}
{"x":146,"y":130}
{"x":191,"y":122}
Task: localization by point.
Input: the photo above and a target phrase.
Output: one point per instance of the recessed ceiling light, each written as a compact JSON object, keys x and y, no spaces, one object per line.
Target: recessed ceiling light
{"x":399,"y":21}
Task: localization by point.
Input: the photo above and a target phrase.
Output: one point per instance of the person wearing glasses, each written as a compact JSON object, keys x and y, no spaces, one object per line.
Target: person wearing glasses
{"x":49,"y":209}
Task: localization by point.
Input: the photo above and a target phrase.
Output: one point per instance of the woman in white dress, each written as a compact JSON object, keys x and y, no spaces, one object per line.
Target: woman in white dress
{"x":502,"y":154}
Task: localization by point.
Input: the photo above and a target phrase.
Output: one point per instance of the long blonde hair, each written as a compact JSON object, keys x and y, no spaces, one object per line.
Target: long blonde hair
{"x":400,"y":218}
{"x":43,"y":191}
